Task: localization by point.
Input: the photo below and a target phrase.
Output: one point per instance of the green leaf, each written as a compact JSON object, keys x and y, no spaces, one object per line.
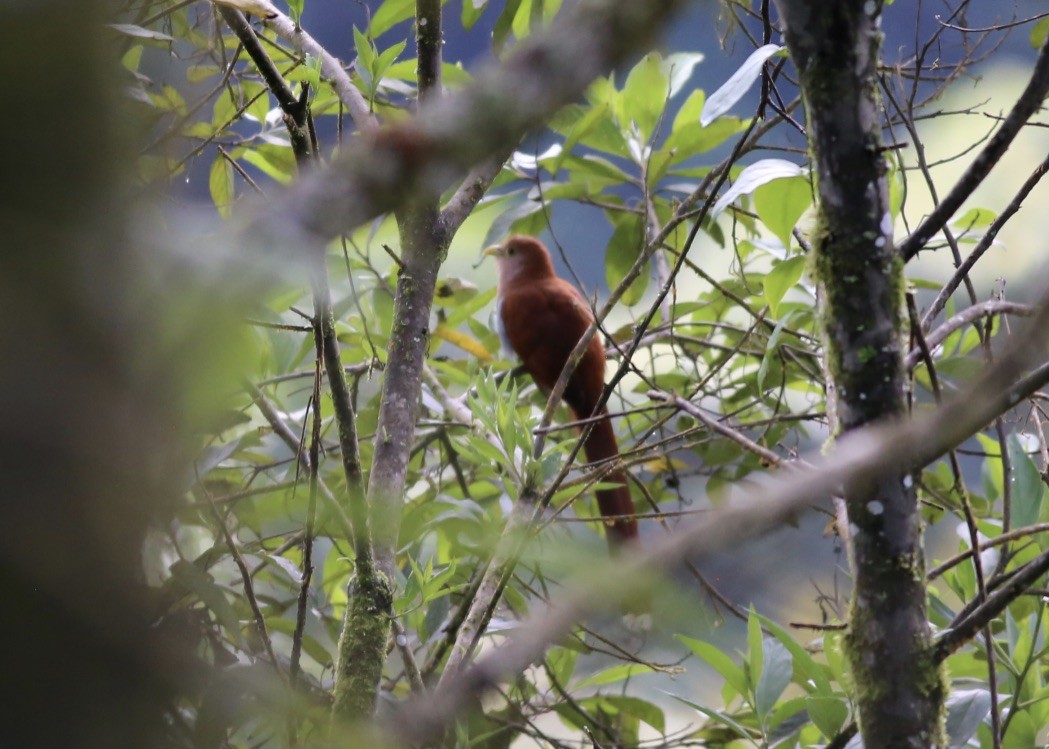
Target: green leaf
{"x":472,"y":10}
{"x":261,"y":161}
{"x":139,"y":32}
{"x":627,"y":241}
{"x":613,"y":675}
{"x":720,"y":662}
{"x":717,"y":715}
{"x":1027,"y":486}
{"x":198,"y":73}
{"x":780,"y":203}
{"x":753,"y":177}
{"x":828,"y":713}
{"x":645,"y":94}
{"x":389,"y":14}
{"x":755,"y":653}
{"x":386,"y":59}
{"x":220,"y":184}
{"x":803,"y":662}
{"x":975,"y":218}
{"x":633,"y":706}
{"x":581,"y":128}
{"x":896,"y":193}
{"x":504,"y":23}
{"x":1040,"y":33}
{"x":736,"y":87}
{"x":770,"y":351}
{"x":966,"y":710}
{"x":679,"y":67}
{"x":133,"y":58}
{"x":562,"y":660}
{"x":780,"y":279}
{"x":365,"y":50}
{"x":196,"y":581}
{"x":776,"y":673}
{"x":259,"y":96}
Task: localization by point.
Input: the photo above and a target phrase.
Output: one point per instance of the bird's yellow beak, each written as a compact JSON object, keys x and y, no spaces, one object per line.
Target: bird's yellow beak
{"x":496,"y":251}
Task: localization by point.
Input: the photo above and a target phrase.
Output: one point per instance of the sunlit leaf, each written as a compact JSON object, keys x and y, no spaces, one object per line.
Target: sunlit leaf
{"x":780,"y":203}
{"x":1027,"y":486}
{"x":783,"y":277}
{"x":645,"y":93}
{"x":388,"y":15}
{"x":220,"y":185}
{"x":736,"y":87}
{"x":139,"y":32}
{"x":753,"y":177}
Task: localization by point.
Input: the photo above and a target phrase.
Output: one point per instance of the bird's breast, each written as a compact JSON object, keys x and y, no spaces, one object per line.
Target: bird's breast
{"x":500,"y":328}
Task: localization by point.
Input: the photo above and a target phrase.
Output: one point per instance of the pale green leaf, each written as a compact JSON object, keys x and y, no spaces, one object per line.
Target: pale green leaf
{"x":781,"y":279}
{"x":389,"y":14}
{"x":645,"y":94}
{"x":753,"y":177}
{"x":828,"y":713}
{"x":220,"y":184}
{"x":1027,"y":486}
{"x":780,"y":203}
{"x":627,"y":241}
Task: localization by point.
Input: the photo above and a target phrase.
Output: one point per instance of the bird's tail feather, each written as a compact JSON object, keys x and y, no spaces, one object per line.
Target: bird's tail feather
{"x":601,"y":445}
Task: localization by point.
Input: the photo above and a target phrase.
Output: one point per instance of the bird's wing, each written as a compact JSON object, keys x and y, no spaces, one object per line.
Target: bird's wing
{"x":543,"y":321}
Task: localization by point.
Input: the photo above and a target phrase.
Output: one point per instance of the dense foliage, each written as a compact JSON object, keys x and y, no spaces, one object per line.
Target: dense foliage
{"x":713,"y":336}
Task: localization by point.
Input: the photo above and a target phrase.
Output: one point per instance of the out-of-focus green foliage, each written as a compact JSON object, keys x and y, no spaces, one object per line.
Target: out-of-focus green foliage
{"x":738,"y":336}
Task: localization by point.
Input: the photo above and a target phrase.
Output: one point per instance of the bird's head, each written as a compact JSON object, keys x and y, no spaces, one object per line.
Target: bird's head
{"x":519,"y":258}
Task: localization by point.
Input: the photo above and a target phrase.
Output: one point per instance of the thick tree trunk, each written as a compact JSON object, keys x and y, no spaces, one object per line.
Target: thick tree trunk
{"x":899,"y":688}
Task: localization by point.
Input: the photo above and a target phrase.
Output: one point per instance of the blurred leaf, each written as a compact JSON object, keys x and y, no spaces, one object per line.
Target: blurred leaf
{"x":1039,"y":33}
{"x":504,"y":24}
{"x":471,"y":13}
{"x":203,"y":585}
{"x":828,"y":713}
{"x":721,"y":663}
{"x":139,"y":32}
{"x":220,"y":185}
{"x":717,"y":715}
{"x":389,"y":14}
{"x":613,"y":675}
{"x":974,"y":218}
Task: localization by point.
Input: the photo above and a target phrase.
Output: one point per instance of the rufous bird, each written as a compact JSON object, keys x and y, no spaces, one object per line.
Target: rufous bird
{"x":541,"y":318}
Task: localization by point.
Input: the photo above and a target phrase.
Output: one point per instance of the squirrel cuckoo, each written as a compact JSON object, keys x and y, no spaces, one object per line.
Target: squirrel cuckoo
{"x":541,"y":318}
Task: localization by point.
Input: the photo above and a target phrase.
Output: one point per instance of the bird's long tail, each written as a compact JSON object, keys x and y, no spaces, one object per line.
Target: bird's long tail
{"x":601,"y":445}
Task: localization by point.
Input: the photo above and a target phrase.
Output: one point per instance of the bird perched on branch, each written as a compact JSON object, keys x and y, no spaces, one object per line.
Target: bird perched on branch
{"x":541,"y":318}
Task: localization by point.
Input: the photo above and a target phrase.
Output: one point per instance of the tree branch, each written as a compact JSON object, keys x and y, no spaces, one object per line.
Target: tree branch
{"x":380,"y":170}
{"x":860,"y":455}
{"x":1029,"y":102}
